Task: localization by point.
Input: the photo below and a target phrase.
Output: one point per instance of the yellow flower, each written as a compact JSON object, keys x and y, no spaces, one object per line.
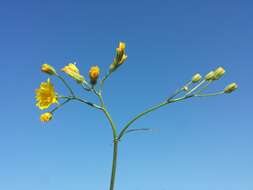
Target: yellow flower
{"x":46,"y":68}
{"x":230,"y":88}
{"x":122,"y":46}
{"x":94,"y":74}
{"x":45,"y":117}
{"x":45,"y":95}
{"x":121,"y":56}
{"x":209,"y":76}
{"x":218,"y":73}
{"x":196,"y":78}
{"x":73,"y":71}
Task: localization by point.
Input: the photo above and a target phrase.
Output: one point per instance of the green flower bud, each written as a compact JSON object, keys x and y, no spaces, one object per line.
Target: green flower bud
{"x":230,"y":88}
{"x":218,"y":73}
{"x":209,"y":76}
{"x":46,"y":68}
{"x":196,"y":78}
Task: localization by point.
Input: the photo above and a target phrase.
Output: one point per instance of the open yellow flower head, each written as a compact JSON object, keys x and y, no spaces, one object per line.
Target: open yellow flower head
{"x":230,"y":88}
{"x":46,"y":68}
{"x":218,"y":73}
{"x":209,"y":76}
{"x":45,"y":117}
{"x":73,"y":72}
{"x":94,"y":74}
{"x":45,"y":95}
{"x":196,"y":78}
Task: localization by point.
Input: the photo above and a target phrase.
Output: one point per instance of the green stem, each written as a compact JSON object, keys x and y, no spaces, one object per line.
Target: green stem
{"x":108,"y":116}
{"x":114,"y":164}
{"x":211,"y":94}
{"x":140,"y":115}
{"x":123,"y":131}
{"x":178,"y":91}
{"x":87,"y":102}
{"x":81,"y":100}
{"x":66,"y":84}
{"x":196,"y":87}
{"x":205,"y":87}
{"x":60,"y":105}
{"x":114,"y":131}
{"x":115,"y":139}
{"x":104,"y":79}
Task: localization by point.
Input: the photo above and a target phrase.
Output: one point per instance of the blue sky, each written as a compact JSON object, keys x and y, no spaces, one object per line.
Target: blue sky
{"x":201,"y":144}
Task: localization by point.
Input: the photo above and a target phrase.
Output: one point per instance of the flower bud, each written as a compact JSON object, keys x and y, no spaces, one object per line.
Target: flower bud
{"x":121,"y":53}
{"x":120,"y":57}
{"x":209,"y":76}
{"x":122,"y":46}
{"x":218,"y":73}
{"x":196,"y":78}
{"x":230,"y":88}
{"x":185,"y":88}
{"x":73,"y":72}
{"x":123,"y":59}
{"x":45,"y":117}
{"x":94,"y":74}
{"x":46,"y":68}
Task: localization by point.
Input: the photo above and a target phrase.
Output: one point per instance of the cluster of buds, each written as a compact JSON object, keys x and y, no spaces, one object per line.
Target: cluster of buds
{"x":215,"y":75}
{"x":120,"y":57}
{"x":71,"y":69}
{"x":212,"y":76}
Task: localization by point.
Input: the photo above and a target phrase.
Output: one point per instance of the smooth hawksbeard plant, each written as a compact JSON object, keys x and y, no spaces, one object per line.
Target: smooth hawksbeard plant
{"x":46,"y":95}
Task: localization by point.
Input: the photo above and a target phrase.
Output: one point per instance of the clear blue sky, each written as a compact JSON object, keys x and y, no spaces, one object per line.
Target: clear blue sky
{"x":203,"y":144}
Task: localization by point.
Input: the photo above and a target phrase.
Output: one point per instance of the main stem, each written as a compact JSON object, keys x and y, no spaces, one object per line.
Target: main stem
{"x":114,"y":164}
{"x":115,"y":140}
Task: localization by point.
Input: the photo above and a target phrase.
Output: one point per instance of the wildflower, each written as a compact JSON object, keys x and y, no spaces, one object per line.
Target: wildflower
{"x":209,"y":76}
{"x":45,"y":117}
{"x":46,"y":68}
{"x":45,"y":95}
{"x":122,"y":46}
{"x":94,"y":74}
{"x":120,"y":57}
{"x":218,"y":73}
{"x":196,"y":78}
{"x":230,"y":88}
{"x":73,"y":72}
